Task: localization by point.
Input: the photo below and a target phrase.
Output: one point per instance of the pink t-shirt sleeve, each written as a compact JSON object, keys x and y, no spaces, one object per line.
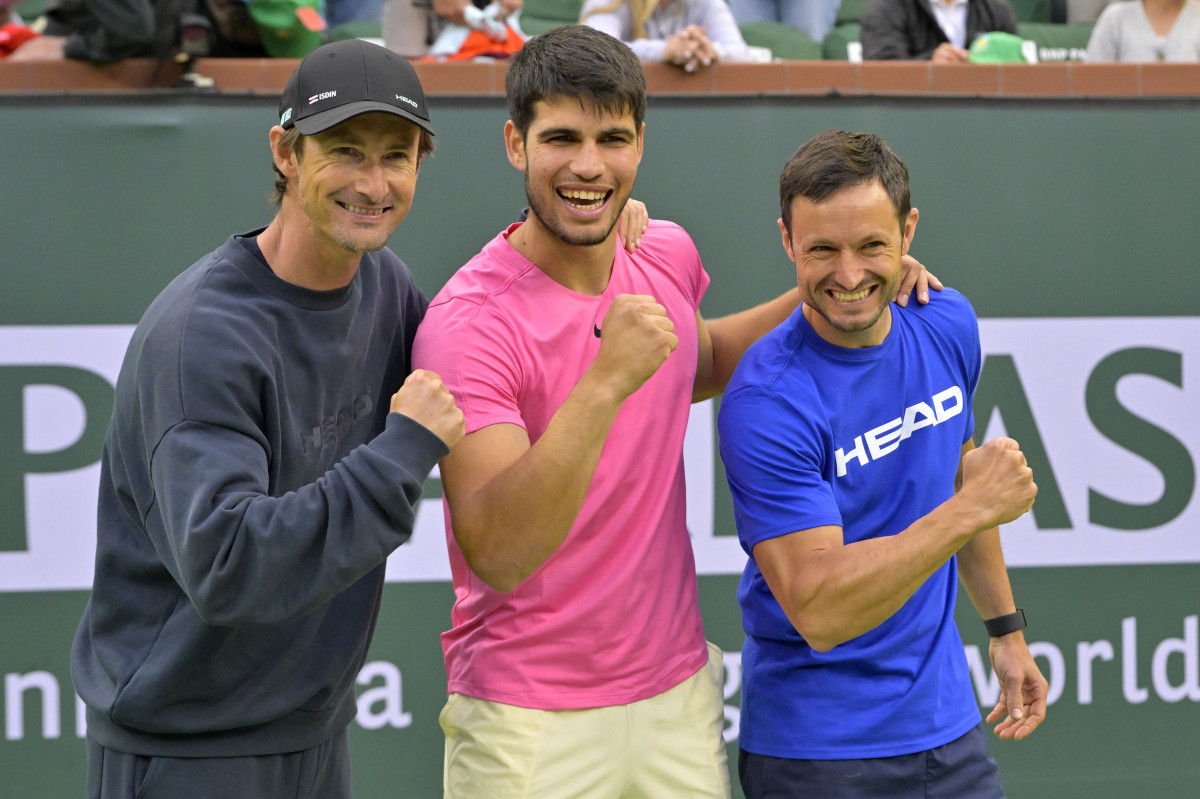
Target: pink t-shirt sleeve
{"x":473,"y":350}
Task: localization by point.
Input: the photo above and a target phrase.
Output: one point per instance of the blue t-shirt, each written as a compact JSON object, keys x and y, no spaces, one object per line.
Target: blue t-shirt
{"x":869,"y":440}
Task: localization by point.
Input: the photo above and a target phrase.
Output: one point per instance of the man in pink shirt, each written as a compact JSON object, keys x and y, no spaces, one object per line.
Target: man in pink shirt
{"x":577,"y":662}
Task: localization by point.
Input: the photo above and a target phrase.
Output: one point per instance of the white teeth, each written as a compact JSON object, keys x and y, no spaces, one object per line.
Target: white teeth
{"x":358,"y":210}
{"x":851,"y":296}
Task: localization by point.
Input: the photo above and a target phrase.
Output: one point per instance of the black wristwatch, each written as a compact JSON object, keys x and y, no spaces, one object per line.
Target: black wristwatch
{"x":1003,"y":625}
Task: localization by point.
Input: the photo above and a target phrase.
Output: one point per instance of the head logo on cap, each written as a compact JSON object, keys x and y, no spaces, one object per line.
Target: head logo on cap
{"x":343,"y":79}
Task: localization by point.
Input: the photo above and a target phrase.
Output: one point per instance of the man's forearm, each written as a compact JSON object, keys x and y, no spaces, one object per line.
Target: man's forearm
{"x":985,"y":577}
{"x":854,"y":588}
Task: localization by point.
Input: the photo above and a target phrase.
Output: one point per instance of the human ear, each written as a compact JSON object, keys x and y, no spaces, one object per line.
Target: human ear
{"x":787,"y":239}
{"x":514,"y":144}
{"x":285,"y":157}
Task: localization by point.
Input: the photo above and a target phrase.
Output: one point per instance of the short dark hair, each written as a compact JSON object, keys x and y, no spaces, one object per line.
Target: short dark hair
{"x":836,"y":159}
{"x":578,"y":62}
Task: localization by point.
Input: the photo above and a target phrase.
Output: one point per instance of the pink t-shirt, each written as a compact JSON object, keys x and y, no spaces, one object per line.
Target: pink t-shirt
{"x":612,"y":616}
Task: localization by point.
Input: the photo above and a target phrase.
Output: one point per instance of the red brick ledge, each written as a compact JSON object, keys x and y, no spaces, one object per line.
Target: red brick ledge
{"x":817,"y":78}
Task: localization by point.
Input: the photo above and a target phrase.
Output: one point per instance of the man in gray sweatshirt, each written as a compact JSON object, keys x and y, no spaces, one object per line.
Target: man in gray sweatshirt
{"x":266,"y":452}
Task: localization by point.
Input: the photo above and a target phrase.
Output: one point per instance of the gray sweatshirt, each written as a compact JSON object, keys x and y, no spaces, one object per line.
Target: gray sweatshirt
{"x":253,"y":482}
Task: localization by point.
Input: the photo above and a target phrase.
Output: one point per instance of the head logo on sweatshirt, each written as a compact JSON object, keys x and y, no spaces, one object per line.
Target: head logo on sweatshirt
{"x":327,"y":432}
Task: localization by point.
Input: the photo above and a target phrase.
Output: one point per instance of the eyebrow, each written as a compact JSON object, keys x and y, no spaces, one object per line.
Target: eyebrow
{"x":813,"y":242}
{"x":613,"y":131}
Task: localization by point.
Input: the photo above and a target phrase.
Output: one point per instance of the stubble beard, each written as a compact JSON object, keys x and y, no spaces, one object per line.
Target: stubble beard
{"x":375,"y":242}
{"x":887,"y":292}
{"x":584,"y":238}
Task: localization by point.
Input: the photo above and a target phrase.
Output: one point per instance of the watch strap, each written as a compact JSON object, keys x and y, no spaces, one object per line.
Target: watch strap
{"x":1003,"y":625}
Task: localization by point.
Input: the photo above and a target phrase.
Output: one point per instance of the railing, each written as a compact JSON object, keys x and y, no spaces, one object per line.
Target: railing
{"x":818,"y":78}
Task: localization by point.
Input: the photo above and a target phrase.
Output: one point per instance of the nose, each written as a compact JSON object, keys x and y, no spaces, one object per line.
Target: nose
{"x":849,"y":271}
{"x":587,"y":163}
{"x":372,"y":181}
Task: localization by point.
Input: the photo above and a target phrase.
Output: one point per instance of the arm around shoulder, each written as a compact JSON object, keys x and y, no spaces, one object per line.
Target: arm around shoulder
{"x":723,"y":341}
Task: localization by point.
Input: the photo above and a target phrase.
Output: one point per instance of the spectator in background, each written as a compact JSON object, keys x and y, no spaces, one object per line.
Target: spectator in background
{"x":930,"y":30}
{"x":814,"y":17}
{"x":691,"y":34}
{"x":417,"y":28}
{"x":456,"y":10}
{"x":1081,"y":12}
{"x":13,"y":32}
{"x":104,"y":31}
{"x":1147,"y":30}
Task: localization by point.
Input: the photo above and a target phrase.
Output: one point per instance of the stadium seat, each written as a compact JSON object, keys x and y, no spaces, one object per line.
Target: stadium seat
{"x":839,"y":41}
{"x":1057,"y":42}
{"x":849,"y":11}
{"x":539,"y":16}
{"x":1031,"y":10}
{"x":783,"y":40}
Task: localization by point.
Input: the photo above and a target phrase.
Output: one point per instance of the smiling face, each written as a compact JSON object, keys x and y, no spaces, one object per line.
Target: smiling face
{"x":579,"y":163}
{"x":355,"y":181}
{"x":847,"y":250}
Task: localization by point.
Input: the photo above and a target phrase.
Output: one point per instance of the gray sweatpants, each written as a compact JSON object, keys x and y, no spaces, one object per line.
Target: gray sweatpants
{"x":322,"y":772}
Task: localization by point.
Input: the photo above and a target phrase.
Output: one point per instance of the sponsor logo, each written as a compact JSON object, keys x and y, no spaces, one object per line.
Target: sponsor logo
{"x":322,"y":96}
{"x":283,"y":120}
{"x":327,"y":432}
{"x":1106,"y":419}
{"x":886,"y":438}
{"x":596,"y":329}
{"x":402,"y":98}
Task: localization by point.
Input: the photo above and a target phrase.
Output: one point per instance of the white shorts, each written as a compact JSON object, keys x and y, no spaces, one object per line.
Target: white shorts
{"x":669,"y":745}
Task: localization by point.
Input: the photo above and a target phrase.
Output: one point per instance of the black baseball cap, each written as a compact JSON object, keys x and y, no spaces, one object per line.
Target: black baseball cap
{"x":343,"y":79}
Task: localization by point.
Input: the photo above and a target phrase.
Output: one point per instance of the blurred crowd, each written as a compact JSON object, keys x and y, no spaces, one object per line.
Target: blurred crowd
{"x":690,"y":34}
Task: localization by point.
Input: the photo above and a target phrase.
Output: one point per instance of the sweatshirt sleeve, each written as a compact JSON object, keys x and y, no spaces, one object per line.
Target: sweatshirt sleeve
{"x":244,"y":557}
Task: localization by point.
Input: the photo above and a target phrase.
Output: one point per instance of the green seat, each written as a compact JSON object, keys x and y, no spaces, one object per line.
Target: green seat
{"x":783,"y":40}
{"x":849,"y":11}
{"x":838,"y":40}
{"x":1057,"y":42}
{"x":1031,"y":10}
{"x":357,"y":29}
{"x":539,"y":16}
{"x":29,"y":10}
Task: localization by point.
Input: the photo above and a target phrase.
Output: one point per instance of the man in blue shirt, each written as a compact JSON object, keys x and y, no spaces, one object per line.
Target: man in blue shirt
{"x":861,"y":499}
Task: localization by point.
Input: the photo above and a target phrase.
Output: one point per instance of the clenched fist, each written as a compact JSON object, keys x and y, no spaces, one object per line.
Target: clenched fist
{"x":1000,"y":482}
{"x":425,"y":399}
{"x":636,"y":340}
